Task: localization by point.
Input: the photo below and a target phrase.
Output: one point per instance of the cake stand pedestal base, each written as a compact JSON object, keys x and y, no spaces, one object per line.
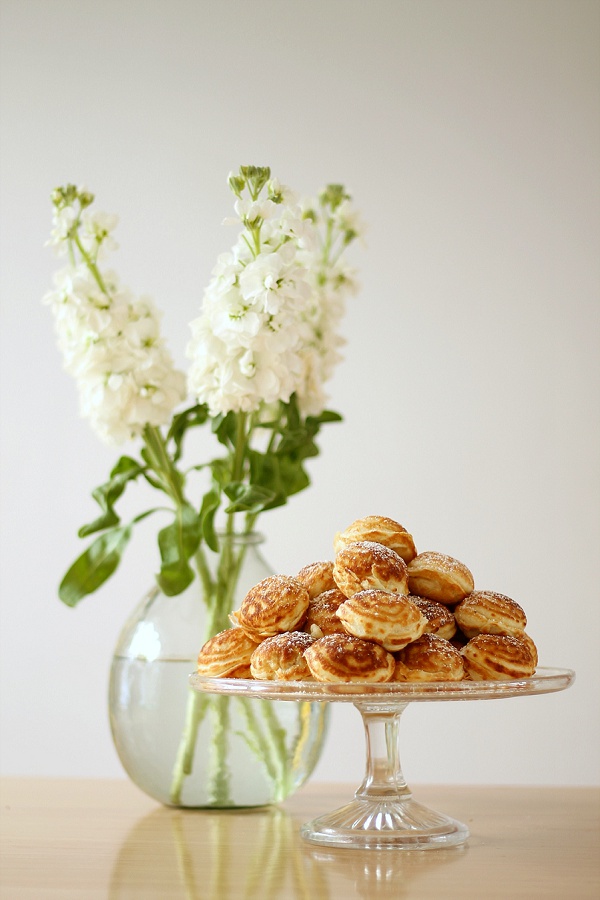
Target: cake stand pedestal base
{"x":383,"y":813}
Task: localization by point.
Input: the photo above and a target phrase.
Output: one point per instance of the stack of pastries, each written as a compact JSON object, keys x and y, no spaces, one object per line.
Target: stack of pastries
{"x":378,"y":612}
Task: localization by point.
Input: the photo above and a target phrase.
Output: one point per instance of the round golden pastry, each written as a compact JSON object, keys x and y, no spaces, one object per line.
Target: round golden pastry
{"x":281,"y":658}
{"x":317,"y":577}
{"x":388,"y":619}
{"x":486,"y":612}
{"x":439,"y":577}
{"x":227,"y":651}
{"x":497,"y":657}
{"x":430,"y":658}
{"x":440,"y":620}
{"x":524,"y":637}
{"x":366,"y":564}
{"x":380,"y":529}
{"x":343,"y":658}
{"x":321,"y":618}
{"x":277,"y":603}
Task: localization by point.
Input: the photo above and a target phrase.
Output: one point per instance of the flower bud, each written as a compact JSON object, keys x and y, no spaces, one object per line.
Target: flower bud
{"x":236,"y":184}
{"x":333,"y":195}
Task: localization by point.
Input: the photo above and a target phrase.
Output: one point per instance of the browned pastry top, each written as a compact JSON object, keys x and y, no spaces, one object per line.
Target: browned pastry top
{"x":440,"y":619}
{"x":344,"y":658}
{"x":430,"y":658}
{"x":281,"y":657}
{"x":389,"y":619}
{"x":225,"y":652}
{"x":380,"y":529}
{"x":317,"y":577}
{"x":497,"y":657}
{"x":275,"y":604}
{"x":525,"y":639}
{"x":321,"y":618}
{"x":366,"y":564}
{"x":439,"y":577}
{"x":489,"y":613}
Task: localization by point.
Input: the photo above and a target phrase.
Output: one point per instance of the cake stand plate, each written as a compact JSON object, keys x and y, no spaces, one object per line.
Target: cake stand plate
{"x":383,"y":814}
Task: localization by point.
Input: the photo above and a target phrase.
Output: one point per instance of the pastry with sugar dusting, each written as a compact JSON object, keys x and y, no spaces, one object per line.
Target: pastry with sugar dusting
{"x":388,"y":619}
{"x":378,"y":612}
{"x":226,"y":652}
{"x":317,"y":577}
{"x":430,"y":658}
{"x":497,"y":657}
{"x":366,"y":564}
{"x":439,"y":577}
{"x":277,"y":603}
{"x":440,"y":619}
{"x":487,"y":612}
{"x":281,"y":658}
{"x":343,"y":658}
{"x":322,"y":618}
{"x":381,"y":530}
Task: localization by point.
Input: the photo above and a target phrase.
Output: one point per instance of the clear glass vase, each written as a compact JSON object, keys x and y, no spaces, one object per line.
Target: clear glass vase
{"x":189,"y":750}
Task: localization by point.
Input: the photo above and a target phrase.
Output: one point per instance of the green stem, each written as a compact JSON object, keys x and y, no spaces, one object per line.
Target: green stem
{"x":206,"y":578}
{"x":257,"y":741}
{"x":220,"y":789}
{"x":327,"y":244}
{"x":162,"y":464}
{"x":267,"y":741}
{"x":218,"y":597}
{"x":88,"y":260}
{"x":197,"y":705}
{"x":241,"y":440}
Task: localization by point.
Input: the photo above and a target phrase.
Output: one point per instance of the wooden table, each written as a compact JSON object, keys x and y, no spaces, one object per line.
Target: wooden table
{"x":88,"y":839}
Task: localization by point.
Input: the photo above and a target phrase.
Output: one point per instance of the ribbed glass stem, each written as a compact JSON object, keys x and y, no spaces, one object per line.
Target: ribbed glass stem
{"x":383,"y":776}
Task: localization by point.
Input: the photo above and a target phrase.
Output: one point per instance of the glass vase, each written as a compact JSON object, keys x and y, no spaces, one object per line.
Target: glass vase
{"x":189,"y":750}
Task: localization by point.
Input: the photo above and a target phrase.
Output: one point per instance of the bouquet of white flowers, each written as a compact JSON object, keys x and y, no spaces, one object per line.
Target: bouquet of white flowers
{"x":266,"y":341}
{"x":264,"y":344}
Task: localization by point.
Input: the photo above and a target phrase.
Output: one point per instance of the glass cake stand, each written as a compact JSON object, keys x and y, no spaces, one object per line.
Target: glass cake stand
{"x":383,"y":814}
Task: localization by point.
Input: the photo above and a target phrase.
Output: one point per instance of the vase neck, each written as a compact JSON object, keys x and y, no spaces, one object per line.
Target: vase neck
{"x":241,"y":539}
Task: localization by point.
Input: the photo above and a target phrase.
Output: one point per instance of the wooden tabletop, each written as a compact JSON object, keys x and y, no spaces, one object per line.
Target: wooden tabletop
{"x":88,"y":839}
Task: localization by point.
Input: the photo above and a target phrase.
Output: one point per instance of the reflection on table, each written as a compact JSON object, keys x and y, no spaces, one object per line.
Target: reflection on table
{"x":256,"y":854}
{"x":89,"y":839}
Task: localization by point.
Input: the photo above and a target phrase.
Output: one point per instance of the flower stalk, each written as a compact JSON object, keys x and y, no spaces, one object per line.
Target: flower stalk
{"x":263,"y":346}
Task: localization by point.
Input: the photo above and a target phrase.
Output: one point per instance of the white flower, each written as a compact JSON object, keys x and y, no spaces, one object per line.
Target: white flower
{"x":245,"y":346}
{"x":111,"y":344}
{"x":97,"y":228}
{"x":269,"y":324}
{"x":348,"y":219}
{"x":253,"y":210}
{"x":272,"y":280}
{"x":62,"y":222}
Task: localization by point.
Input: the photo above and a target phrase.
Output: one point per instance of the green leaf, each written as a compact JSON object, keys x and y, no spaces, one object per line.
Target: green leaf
{"x":292,"y":412}
{"x":150,"y":476}
{"x":177,"y":542}
{"x":210,"y":504}
{"x":221,"y":471}
{"x":94,"y":566}
{"x":189,"y":418}
{"x":108,"y":520}
{"x":293,"y":476}
{"x":154,"y":482}
{"x":126,"y":470}
{"x":298,"y":444}
{"x":328,"y":415}
{"x":265,"y":471}
{"x":225,"y":428}
{"x":247,"y":497}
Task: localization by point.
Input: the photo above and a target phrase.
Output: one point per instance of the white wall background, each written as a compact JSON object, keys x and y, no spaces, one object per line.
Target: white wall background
{"x":467,"y":131}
